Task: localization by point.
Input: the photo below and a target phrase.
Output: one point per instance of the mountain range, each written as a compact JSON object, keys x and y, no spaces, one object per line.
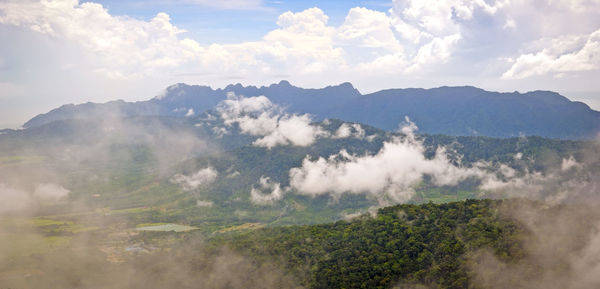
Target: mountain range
{"x":457,"y":111}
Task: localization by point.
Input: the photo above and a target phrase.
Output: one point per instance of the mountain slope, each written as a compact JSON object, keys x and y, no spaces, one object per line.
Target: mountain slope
{"x":467,"y":111}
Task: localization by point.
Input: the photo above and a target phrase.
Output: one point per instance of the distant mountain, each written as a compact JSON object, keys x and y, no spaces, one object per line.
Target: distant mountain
{"x":467,"y":111}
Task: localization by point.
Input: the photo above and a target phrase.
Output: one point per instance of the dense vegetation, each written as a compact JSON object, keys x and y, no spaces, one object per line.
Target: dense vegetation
{"x":425,"y":244}
{"x":118,"y":170}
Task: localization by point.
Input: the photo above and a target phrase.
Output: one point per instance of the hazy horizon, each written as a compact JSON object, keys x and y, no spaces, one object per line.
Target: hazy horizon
{"x":590,"y":99}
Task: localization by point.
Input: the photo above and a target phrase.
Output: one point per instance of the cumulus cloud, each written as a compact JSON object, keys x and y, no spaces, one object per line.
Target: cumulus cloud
{"x":368,"y":28}
{"x":201,"y":178}
{"x":267,"y":193}
{"x":128,"y":47}
{"x":558,"y":59}
{"x":258,"y":116}
{"x":303,"y":42}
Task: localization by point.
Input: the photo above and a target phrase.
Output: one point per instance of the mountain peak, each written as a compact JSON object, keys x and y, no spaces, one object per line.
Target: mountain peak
{"x":284,"y":83}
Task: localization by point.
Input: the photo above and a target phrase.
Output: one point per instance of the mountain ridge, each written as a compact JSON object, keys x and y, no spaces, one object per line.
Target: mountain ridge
{"x":451,"y":110}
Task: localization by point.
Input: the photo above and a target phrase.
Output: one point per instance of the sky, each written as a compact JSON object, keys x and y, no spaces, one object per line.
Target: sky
{"x":54,"y":52}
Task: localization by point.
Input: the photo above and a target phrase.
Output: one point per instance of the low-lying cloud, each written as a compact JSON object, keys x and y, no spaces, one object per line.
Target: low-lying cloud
{"x":258,"y":116}
{"x":201,"y":178}
{"x":391,"y":174}
{"x":268,"y":192}
{"x":14,"y":200}
{"x":350,"y":130}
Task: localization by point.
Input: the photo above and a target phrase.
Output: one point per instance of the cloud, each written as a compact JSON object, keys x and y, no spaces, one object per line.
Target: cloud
{"x":258,"y":116}
{"x":368,"y":28}
{"x":388,"y":175}
{"x":275,"y":192}
{"x":14,"y":200}
{"x":127,"y":47}
{"x":201,"y":178}
{"x":189,"y":113}
{"x":560,"y":249}
{"x":349,"y":130}
{"x":413,"y":36}
{"x":414,"y":43}
{"x":555,"y":60}
{"x":391,"y":174}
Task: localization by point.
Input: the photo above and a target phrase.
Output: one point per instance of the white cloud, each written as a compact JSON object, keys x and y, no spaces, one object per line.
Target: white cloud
{"x":391,"y":174}
{"x":388,"y":175}
{"x":275,"y":192}
{"x":131,"y":48}
{"x":559,"y":58}
{"x":368,"y":28}
{"x":201,"y":178}
{"x":349,"y":130}
{"x":417,"y":20}
{"x":438,"y":50}
{"x":128,"y":47}
{"x":258,"y":116}
{"x":189,"y":113}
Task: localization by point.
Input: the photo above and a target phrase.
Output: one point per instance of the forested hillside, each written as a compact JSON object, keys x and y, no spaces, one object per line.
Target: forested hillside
{"x":431,"y":246}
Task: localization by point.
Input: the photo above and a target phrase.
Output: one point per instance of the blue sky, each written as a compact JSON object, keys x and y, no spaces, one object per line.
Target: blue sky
{"x":66,"y":51}
{"x":208,"y":24}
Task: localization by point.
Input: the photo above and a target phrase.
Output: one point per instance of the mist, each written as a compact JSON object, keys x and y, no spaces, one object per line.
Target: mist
{"x":561,"y":240}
